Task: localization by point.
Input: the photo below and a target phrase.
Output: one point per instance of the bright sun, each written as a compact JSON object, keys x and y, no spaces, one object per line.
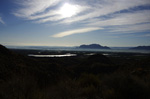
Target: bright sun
{"x":68,"y":10}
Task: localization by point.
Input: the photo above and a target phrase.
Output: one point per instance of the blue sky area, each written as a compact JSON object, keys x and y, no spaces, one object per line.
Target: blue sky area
{"x":119,"y":23}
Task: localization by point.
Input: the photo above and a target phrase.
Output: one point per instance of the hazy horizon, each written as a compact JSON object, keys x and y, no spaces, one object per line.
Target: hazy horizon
{"x":68,"y":46}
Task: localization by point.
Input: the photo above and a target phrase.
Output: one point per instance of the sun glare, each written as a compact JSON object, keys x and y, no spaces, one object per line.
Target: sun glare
{"x":68,"y":10}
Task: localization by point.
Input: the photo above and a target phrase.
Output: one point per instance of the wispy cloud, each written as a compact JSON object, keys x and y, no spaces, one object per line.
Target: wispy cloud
{"x":107,"y":7}
{"x":131,"y":28}
{"x":43,"y":10}
{"x":76,"y":31}
{"x":120,"y":15}
{"x":33,"y":7}
{"x":131,"y":22}
{"x":146,"y":35}
{"x":1,"y":21}
{"x":124,"y":19}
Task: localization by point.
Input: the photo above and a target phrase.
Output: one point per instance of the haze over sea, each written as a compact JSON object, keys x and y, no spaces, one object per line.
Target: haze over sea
{"x":48,"y":48}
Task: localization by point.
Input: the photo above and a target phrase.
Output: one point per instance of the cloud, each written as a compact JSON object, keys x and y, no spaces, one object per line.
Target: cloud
{"x":107,"y":7}
{"x":146,"y":35}
{"x":122,"y":16}
{"x":131,"y":28}
{"x":124,"y":19}
{"x":55,"y":15}
{"x":125,"y":23}
{"x":76,"y":31}
{"x":33,"y":7}
{"x":43,"y":10}
{"x":1,"y":21}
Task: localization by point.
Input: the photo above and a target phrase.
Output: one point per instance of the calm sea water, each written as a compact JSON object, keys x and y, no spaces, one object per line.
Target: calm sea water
{"x":62,"y":55}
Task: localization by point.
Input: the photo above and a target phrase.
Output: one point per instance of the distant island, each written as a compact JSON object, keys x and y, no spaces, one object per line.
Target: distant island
{"x":93,"y":46}
{"x":141,"y":48}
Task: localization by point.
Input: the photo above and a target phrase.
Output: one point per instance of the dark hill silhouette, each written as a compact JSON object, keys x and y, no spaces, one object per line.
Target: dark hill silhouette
{"x":94,"y":46}
{"x":95,"y":64}
{"x":80,"y":77}
{"x":99,"y":58}
{"x":13,"y":65}
{"x":4,"y":50}
{"x":141,"y":48}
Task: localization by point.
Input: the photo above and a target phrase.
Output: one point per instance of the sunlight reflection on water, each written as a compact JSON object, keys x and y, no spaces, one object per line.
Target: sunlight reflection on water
{"x":63,"y":55}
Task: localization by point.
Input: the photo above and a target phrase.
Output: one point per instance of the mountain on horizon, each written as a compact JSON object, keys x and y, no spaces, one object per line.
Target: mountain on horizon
{"x":141,"y":48}
{"x":93,"y":46}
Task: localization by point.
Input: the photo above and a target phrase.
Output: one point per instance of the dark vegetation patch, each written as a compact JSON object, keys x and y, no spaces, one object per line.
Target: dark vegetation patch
{"x":117,"y":76}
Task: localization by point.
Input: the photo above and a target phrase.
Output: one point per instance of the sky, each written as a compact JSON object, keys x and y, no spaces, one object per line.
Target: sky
{"x":116,"y":23}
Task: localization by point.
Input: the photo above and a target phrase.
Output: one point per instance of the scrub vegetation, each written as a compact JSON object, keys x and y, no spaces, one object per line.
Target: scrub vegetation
{"x":118,"y":76}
